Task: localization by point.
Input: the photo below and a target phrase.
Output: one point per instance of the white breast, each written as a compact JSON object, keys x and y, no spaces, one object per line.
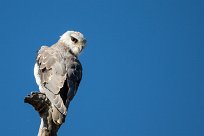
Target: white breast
{"x":37,"y":77}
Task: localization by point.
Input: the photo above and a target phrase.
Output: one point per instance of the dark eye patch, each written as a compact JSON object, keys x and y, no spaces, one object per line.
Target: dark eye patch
{"x":74,"y":39}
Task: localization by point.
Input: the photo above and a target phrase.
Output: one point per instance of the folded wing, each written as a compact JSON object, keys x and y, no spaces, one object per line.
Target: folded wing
{"x":52,"y":74}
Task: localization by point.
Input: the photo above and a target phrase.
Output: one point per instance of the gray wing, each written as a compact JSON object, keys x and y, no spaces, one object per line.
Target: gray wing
{"x":61,"y":77}
{"x":52,"y":73}
{"x":74,"y":76}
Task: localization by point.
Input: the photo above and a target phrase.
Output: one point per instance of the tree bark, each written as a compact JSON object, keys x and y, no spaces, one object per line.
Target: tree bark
{"x":43,"y":106}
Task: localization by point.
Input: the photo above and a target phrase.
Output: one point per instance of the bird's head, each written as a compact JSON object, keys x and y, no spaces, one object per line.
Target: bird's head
{"x":74,"y":40}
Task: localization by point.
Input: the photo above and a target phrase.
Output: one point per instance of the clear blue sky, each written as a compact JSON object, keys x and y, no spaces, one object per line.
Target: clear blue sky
{"x":143,"y":66}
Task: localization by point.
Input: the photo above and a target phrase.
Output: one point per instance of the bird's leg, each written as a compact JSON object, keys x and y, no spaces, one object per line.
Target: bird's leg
{"x":43,"y":106}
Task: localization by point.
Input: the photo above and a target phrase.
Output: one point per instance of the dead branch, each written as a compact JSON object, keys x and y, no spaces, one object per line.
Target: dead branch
{"x":43,"y":106}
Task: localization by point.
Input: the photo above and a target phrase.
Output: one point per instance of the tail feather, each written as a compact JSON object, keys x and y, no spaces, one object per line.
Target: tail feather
{"x":57,"y":116}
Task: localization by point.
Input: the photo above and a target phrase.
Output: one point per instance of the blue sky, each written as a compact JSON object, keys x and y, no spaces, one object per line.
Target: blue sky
{"x":143,"y":65}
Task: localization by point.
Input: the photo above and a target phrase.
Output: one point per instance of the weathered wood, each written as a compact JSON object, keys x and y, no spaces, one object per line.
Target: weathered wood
{"x":43,"y":106}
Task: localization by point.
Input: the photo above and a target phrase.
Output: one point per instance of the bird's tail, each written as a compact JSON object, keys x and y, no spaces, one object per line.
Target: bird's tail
{"x":57,"y":116}
{"x":59,"y":110}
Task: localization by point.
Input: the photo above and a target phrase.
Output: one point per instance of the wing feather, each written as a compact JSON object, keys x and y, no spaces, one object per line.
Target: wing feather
{"x":51,"y":69}
{"x":60,"y":76}
{"x":74,"y":75}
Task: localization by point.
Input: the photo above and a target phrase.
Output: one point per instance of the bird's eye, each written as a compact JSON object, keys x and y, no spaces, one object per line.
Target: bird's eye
{"x":74,"y":39}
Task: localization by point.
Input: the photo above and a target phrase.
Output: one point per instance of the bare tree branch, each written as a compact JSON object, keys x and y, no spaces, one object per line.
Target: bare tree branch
{"x":43,"y":106}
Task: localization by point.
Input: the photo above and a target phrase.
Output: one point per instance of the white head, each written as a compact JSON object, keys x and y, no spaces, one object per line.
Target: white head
{"x":74,"y":40}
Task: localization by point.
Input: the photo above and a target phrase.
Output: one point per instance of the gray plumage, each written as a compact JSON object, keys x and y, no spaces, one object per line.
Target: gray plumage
{"x":58,"y":73}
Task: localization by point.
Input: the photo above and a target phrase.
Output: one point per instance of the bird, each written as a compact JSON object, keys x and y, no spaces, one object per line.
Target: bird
{"x":58,"y":72}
